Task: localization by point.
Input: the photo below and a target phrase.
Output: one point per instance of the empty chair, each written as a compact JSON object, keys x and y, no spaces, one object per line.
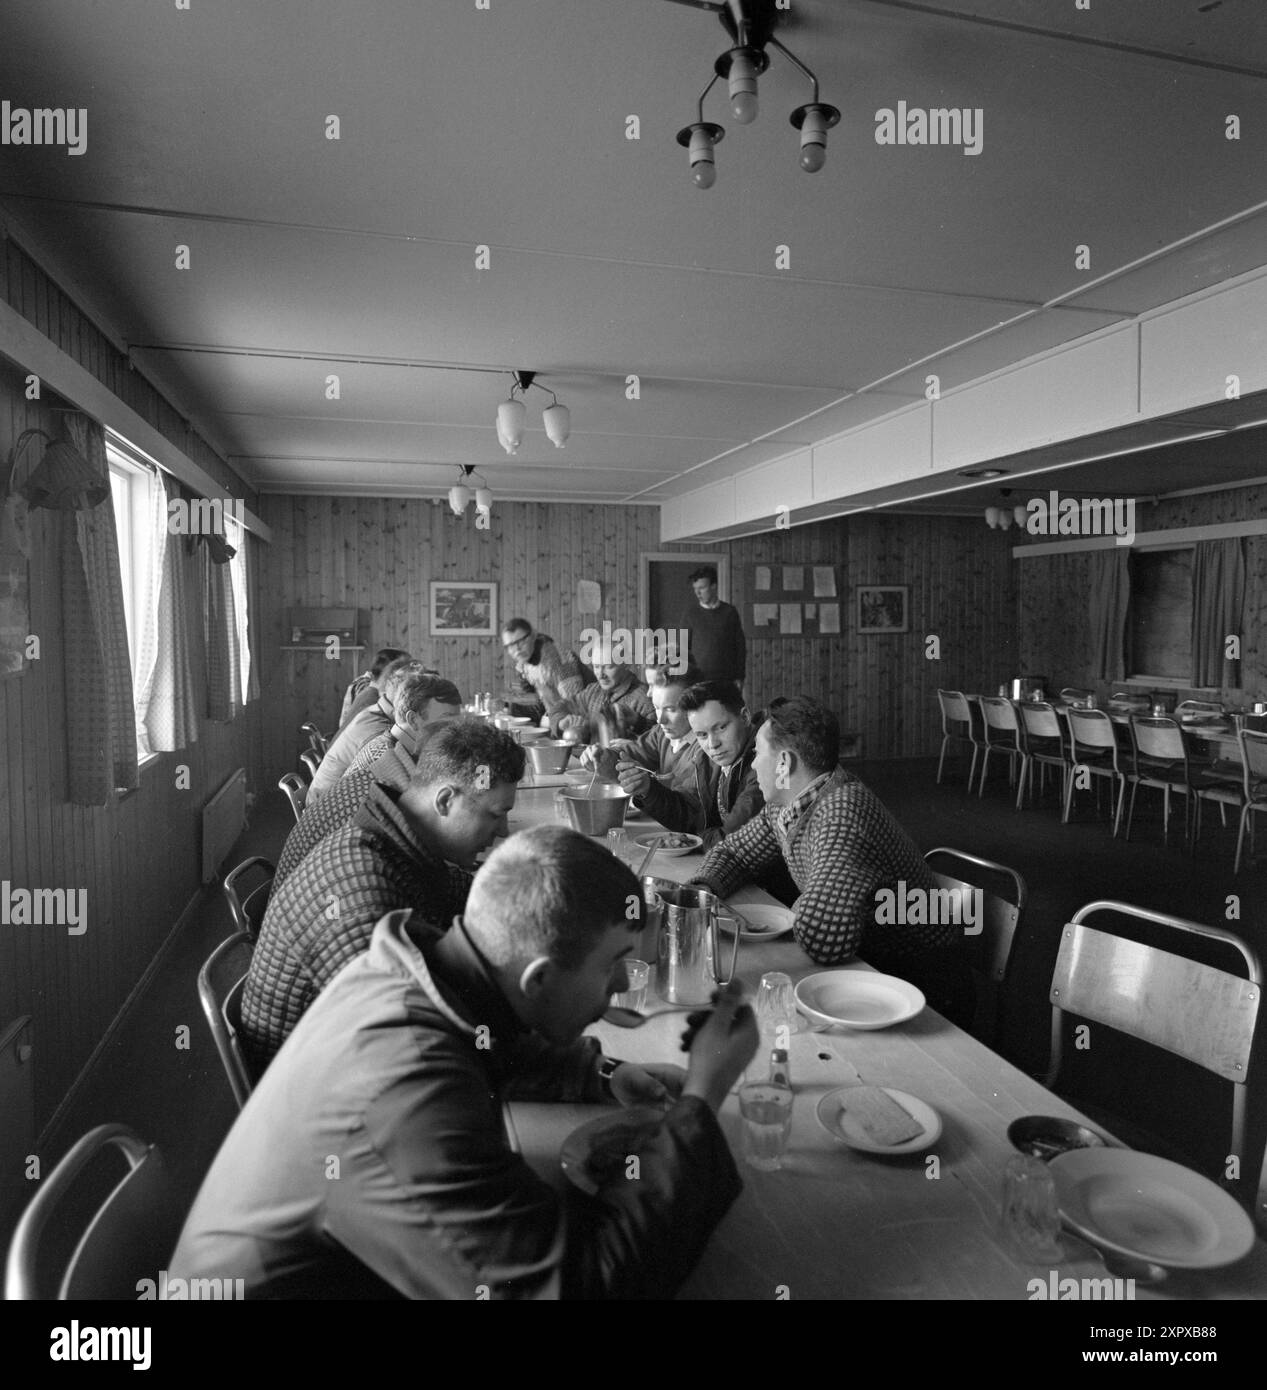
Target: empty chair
{"x":1160,"y":760}
{"x":127,"y":1239}
{"x":1129,"y":699}
{"x":1002,"y":734}
{"x":296,"y":790}
{"x":990,"y":948}
{"x":1075,"y":695}
{"x":1093,"y":748}
{"x":1198,"y":707}
{"x":317,"y":741}
{"x":1171,"y":1002}
{"x":311,"y":762}
{"x":248,"y":912}
{"x":956,"y":723}
{"x":1042,"y":742}
{"x":1254,"y":770}
{"x":220,"y":983}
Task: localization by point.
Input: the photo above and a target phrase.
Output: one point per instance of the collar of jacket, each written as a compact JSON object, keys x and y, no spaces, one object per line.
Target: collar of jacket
{"x":381,"y":813}
{"x":790,"y":819}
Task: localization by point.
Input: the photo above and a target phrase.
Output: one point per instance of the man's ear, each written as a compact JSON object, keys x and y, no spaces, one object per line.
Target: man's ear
{"x":535,"y":977}
{"x":444,"y":798}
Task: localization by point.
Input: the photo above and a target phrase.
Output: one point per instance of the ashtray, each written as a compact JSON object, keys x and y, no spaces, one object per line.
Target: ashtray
{"x":1045,"y":1136}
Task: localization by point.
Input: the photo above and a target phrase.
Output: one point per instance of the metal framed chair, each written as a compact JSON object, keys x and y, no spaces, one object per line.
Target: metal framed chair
{"x":1198,"y":707}
{"x":296,"y":790}
{"x":1254,"y":770}
{"x":1170,"y":1002}
{"x":311,"y":762}
{"x":248,"y":912}
{"x":956,"y":723}
{"x":1074,"y":694}
{"x":220,"y":983}
{"x":128,"y":1238}
{"x":1093,"y":747}
{"x":317,"y":741}
{"x":1160,"y":760}
{"x":1002,"y":735}
{"x":990,"y":950}
{"x":1042,"y":742}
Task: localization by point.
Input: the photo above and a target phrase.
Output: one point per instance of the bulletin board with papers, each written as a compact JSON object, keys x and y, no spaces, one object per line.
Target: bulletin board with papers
{"x":793,"y":601}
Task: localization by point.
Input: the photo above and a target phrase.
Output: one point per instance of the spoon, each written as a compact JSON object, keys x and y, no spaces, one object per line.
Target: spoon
{"x":631,"y":1018}
{"x":642,"y":868}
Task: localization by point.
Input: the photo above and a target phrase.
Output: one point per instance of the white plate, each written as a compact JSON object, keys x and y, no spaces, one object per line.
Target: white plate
{"x":857,"y":998}
{"x":765,"y":921}
{"x":1141,"y":1205}
{"x":837,"y":1123}
{"x":576,"y":1148}
{"x":645,"y":841}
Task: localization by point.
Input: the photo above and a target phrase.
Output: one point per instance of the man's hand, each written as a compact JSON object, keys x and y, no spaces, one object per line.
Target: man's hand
{"x":653,"y":1083}
{"x":721,"y":1046}
{"x":635,"y":780}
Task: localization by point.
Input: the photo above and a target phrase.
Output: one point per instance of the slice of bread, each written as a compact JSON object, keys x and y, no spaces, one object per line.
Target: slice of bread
{"x":877,"y":1115}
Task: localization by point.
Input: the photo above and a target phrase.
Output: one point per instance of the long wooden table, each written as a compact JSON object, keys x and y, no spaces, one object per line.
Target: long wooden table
{"x":834,"y":1223}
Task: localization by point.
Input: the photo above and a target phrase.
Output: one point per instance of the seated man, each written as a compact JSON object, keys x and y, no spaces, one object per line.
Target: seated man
{"x":365,"y":725}
{"x":720,"y":723}
{"x":372,"y":1159}
{"x":668,"y":753}
{"x":420,"y":700}
{"x":544,"y":677}
{"x":616,"y":706}
{"x":352,"y":703}
{"x":402,"y":849}
{"x":842,"y":847}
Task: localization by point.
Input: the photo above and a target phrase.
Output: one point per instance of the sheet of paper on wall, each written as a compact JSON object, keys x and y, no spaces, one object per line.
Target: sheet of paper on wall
{"x":762,"y":580}
{"x":763,"y":614}
{"x":824,"y":581}
{"x":789,"y":617}
{"x":589,"y":596}
{"x":829,"y":617}
{"x":793,"y":578}
{"x":810,"y":610}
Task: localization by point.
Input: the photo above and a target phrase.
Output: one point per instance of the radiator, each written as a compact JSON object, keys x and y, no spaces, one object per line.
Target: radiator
{"x":223,"y":820}
{"x":17,"y":1108}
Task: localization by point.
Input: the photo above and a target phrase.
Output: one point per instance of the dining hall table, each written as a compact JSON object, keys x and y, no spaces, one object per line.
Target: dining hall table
{"x":835,"y":1223}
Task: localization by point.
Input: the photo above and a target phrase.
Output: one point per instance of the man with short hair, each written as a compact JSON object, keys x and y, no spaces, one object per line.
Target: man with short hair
{"x":402,"y":849}
{"x":668,"y":753}
{"x":395,"y":1078}
{"x":615,"y":706}
{"x":715,"y":636}
{"x":352,"y":703}
{"x":722,"y":727}
{"x":365,"y":725}
{"x":545,"y":677}
{"x":842,"y":848}
{"x":420,"y":700}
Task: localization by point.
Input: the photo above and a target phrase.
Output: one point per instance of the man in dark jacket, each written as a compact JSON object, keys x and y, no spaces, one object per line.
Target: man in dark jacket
{"x":372,"y":1160}
{"x":715,"y":637}
{"x":402,"y":849}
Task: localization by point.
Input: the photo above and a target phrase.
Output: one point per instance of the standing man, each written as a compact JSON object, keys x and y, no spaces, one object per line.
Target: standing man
{"x":715,"y":645}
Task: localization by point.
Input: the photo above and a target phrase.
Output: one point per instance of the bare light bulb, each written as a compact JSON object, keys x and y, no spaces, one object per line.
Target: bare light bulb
{"x":743,"y":87}
{"x":813,"y":141}
{"x":703,"y":169}
{"x":704,"y":173}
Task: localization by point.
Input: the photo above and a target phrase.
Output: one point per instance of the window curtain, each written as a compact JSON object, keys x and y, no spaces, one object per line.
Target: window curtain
{"x":100,"y":720}
{"x":1110,"y":598}
{"x":166,"y":701}
{"x":224,"y":690}
{"x":239,"y":568}
{"x":1218,"y":598}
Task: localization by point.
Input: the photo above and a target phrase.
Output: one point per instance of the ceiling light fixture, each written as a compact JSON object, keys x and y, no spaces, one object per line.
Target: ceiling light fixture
{"x":460,"y":494}
{"x":512,"y":415}
{"x":750,"y":24}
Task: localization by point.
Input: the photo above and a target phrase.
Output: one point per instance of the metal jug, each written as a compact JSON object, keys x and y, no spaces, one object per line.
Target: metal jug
{"x":687,"y":962}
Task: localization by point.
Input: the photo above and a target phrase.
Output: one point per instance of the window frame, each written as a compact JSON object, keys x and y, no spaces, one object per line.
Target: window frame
{"x":1164,"y":682}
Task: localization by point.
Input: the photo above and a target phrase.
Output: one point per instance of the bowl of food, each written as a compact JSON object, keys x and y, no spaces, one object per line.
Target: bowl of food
{"x":596,"y":810}
{"x":548,"y":756}
{"x":670,"y":842}
{"x":1045,"y":1136}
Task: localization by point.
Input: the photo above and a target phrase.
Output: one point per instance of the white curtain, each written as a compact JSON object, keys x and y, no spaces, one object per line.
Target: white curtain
{"x":167,"y":705}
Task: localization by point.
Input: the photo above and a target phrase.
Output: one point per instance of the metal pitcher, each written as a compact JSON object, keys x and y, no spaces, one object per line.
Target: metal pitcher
{"x":687,"y":962}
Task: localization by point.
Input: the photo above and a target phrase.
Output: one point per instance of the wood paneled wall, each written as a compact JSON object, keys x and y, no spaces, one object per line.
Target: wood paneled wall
{"x":1055,"y":595}
{"x":138,"y":857}
{"x":379,"y":554}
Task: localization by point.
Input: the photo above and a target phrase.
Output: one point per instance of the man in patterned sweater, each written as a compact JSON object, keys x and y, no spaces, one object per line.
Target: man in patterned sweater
{"x":402,"y":849}
{"x":421,"y":700}
{"x":843,"y":849}
{"x":545,"y":678}
{"x":618,"y":704}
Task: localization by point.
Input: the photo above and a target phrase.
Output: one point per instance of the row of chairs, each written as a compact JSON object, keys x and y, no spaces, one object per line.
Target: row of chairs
{"x":1031,"y":733}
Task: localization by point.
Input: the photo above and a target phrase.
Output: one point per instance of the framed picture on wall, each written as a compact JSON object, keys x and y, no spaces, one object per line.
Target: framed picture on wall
{"x":463,"y":608}
{"x":883,"y":608}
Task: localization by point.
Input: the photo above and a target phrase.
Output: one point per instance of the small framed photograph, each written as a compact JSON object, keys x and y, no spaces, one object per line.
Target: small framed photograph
{"x":883,"y":608}
{"x":463,"y":608}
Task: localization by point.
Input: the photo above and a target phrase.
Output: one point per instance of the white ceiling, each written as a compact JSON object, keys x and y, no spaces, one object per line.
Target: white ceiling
{"x":506,"y":127}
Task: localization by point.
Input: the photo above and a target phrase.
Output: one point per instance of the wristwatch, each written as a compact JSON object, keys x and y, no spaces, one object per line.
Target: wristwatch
{"x":606,"y":1067}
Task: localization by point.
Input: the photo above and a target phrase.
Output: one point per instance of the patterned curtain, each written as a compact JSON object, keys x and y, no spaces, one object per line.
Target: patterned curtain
{"x":249,"y":543}
{"x":167,"y":703}
{"x":1110,"y":598}
{"x":1218,"y":598}
{"x":100,"y":720}
{"x":220,"y":632}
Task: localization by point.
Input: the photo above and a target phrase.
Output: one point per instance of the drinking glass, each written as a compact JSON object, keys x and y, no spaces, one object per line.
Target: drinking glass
{"x":766,"y":1109}
{"x":776,"y":1012}
{"x":621,"y":844}
{"x":635,"y":996}
{"x":1031,"y":1215}
{"x":561,"y":808}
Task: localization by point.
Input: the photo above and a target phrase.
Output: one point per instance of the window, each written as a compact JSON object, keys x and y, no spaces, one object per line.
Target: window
{"x":1159,"y":621}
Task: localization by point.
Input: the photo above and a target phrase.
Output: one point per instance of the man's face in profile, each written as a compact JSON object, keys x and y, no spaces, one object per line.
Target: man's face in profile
{"x":570,"y":1000}
{"x":705,"y":591}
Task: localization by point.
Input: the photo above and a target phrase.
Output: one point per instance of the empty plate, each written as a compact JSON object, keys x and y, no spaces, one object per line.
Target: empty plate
{"x":838,"y":1122}
{"x":857,"y":998}
{"x":1150,"y":1208}
{"x":760,"y":921}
